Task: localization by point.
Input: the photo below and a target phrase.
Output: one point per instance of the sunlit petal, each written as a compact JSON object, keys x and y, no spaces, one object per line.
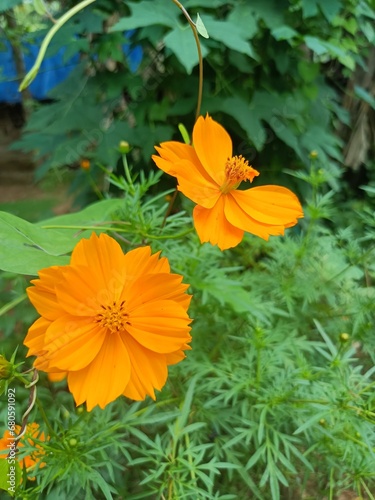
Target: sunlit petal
{"x":105,"y":378}
{"x":213,"y":146}
{"x":212,"y":226}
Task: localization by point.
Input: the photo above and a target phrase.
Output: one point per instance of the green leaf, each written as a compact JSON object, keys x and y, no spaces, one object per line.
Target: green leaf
{"x":181,"y":42}
{"x":245,"y":20}
{"x":10,"y":470}
{"x":40,"y":7}
{"x":9,"y":4}
{"x":316,"y":45}
{"x":329,"y":8}
{"x":201,"y":27}
{"x":284,"y":33}
{"x":148,"y":13}
{"x":90,"y":216}
{"x":308,"y":70}
{"x":309,"y":8}
{"x":27,"y":248}
{"x":229,"y":34}
{"x":270,"y":11}
{"x":361,"y":93}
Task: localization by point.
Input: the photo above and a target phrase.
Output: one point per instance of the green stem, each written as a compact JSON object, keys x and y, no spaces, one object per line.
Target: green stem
{"x":43,"y":48}
{"x":120,"y":230}
{"x":200,"y":57}
{"x":12,"y":303}
{"x":51,"y":432}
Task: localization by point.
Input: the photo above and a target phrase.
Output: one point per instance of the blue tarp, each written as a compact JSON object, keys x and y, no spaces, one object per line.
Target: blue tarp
{"x":53,"y":70}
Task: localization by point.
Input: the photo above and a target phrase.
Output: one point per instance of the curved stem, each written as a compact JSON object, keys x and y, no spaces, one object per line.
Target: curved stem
{"x":200,"y":57}
{"x":12,"y":303}
{"x":43,"y":48}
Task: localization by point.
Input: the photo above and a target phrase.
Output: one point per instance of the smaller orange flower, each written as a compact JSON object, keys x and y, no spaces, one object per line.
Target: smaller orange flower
{"x":210,"y":175}
{"x":7,"y":443}
{"x":85,"y":164}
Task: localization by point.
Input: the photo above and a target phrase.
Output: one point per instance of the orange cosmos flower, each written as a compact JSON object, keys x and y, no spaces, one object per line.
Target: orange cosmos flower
{"x":111,"y":322}
{"x":32,"y":432}
{"x":209,"y":175}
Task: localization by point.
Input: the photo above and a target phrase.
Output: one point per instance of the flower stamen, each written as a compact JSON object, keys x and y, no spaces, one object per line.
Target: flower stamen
{"x":114,"y":318}
{"x":237,"y":169}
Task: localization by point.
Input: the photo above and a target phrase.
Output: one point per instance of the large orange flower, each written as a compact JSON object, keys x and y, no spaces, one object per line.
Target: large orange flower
{"x":32,"y":433}
{"x":112,"y":322}
{"x":209,"y":175}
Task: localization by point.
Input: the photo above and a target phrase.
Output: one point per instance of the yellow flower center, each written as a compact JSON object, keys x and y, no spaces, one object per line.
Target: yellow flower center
{"x":113,"y":317}
{"x":237,"y":169}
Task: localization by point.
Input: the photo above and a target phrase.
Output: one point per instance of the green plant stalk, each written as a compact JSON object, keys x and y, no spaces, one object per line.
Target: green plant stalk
{"x":200,"y":57}
{"x":43,"y":48}
{"x":51,"y":432}
{"x":120,"y":230}
{"x":12,"y":303}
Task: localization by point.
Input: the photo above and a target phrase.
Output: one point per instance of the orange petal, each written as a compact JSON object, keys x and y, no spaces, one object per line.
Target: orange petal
{"x":139,"y":261}
{"x":161,"y":326}
{"x":236,"y":216}
{"x":274,"y":205}
{"x":148,"y":371}
{"x":180,"y":159}
{"x":196,"y":187}
{"x":106,"y":376}
{"x":104,"y":255}
{"x":177,"y":356}
{"x":72,"y":343}
{"x":34,"y":339}
{"x":213,"y":146}
{"x":56,"y":376}
{"x":171,"y":152}
{"x":159,"y":286}
{"x":212,"y":226}
{"x":43,"y":296}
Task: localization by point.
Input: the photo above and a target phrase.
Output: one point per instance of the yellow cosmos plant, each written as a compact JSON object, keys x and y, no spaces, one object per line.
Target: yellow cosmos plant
{"x":110,"y":322}
{"x":210,"y":175}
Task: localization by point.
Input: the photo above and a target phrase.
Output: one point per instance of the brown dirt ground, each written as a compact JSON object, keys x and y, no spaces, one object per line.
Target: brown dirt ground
{"x":17,"y":168}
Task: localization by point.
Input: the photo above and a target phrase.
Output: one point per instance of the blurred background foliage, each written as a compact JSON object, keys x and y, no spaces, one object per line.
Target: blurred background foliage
{"x":276,"y":398}
{"x":286,"y":78}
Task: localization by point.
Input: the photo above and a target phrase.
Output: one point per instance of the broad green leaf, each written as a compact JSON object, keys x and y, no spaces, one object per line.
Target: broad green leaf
{"x":228,"y":34}
{"x":91,"y":216}
{"x":10,"y":470}
{"x":148,"y":13}
{"x":9,"y":4}
{"x":244,"y":19}
{"x":40,"y":7}
{"x":308,"y":70}
{"x":201,"y":27}
{"x":316,"y":45}
{"x":329,"y":8}
{"x":181,"y":42}
{"x":284,"y":33}
{"x":309,"y":8}
{"x":270,"y":11}
{"x":26,"y":248}
{"x":364,"y":95}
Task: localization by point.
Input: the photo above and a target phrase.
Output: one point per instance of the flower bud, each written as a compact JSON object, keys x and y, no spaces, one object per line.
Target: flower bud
{"x":6,"y":368}
{"x":344,"y":337}
{"x":313,"y":154}
{"x":124,"y":147}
